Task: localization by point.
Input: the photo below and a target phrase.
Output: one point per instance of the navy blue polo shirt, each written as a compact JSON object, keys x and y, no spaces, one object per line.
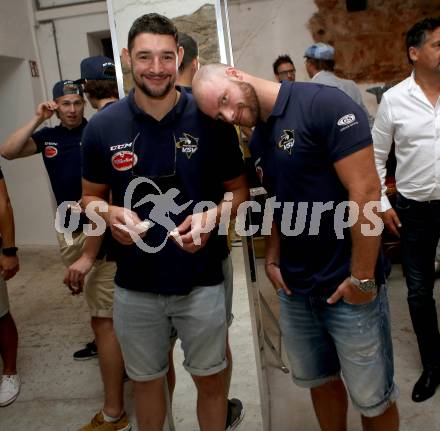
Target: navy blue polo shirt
{"x":311,"y":127}
{"x":61,"y":151}
{"x":186,"y":151}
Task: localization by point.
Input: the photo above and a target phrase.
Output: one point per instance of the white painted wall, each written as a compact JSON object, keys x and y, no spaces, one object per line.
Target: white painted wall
{"x":73,"y":45}
{"x":26,"y":179}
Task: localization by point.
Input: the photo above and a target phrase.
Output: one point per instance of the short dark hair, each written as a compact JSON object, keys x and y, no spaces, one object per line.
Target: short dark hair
{"x":151,"y":23}
{"x":190,"y":50}
{"x":102,"y":89}
{"x":328,"y":65}
{"x":280,"y":60}
{"x":417,"y":34}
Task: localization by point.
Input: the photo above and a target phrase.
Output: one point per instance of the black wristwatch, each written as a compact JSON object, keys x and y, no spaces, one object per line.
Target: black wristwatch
{"x":367,"y":285}
{"x":9,"y":251}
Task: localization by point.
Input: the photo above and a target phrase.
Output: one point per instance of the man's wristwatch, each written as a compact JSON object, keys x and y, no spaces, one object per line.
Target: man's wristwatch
{"x":367,"y":285}
{"x":9,"y":251}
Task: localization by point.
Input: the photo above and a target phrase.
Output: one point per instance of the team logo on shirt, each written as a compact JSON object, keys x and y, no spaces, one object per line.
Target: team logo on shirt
{"x":124,"y":160}
{"x":286,"y":141}
{"x":187,"y":144}
{"x":347,"y":121}
{"x":50,"y":151}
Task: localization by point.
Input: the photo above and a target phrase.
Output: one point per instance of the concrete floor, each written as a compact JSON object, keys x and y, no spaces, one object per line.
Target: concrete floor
{"x":61,"y":394}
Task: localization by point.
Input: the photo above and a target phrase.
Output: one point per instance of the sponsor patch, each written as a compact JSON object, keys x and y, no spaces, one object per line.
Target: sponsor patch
{"x":188,"y":144}
{"x":50,"y":151}
{"x":123,"y":160}
{"x":346,"y":120}
{"x":286,"y":141}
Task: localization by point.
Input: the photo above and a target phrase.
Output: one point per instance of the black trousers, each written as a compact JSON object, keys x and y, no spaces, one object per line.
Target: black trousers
{"x":420,"y":235}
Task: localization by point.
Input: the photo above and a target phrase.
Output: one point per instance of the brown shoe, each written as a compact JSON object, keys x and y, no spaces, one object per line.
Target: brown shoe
{"x":99,"y":424}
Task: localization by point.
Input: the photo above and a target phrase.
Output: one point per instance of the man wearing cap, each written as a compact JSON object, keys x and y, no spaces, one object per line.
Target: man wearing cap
{"x":284,"y":69}
{"x":314,"y":147}
{"x":98,"y":76}
{"x":320,"y":64}
{"x":61,"y":150}
{"x":9,"y":379}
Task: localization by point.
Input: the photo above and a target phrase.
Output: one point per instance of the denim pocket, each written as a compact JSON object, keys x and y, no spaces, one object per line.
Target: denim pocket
{"x":364,"y":304}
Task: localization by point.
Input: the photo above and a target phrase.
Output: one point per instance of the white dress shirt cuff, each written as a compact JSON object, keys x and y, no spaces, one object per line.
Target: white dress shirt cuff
{"x":384,"y":204}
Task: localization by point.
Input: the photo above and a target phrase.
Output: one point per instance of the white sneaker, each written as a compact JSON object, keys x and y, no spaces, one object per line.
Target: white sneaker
{"x":9,"y":389}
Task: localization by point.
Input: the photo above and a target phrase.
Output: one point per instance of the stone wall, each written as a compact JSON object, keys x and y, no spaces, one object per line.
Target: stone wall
{"x":370,"y":44}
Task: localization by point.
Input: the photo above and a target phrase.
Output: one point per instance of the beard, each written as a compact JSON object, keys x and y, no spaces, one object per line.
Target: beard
{"x":251,"y":104}
{"x":154,"y":92}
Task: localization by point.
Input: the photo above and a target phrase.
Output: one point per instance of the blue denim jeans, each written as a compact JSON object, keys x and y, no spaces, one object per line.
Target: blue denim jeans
{"x":323,"y":340}
{"x":420,"y":234}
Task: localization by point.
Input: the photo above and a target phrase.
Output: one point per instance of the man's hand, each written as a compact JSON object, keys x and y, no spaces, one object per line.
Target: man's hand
{"x":195,"y":230}
{"x":391,"y":221}
{"x":76,"y":274}
{"x":45,"y":110}
{"x":351,"y":294}
{"x":122,"y":221}
{"x":273,"y":273}
{"x":9,"y":266}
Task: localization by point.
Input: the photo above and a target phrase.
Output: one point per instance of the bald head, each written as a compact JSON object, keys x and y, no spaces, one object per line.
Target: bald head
{"x":222,"y":94}
{"x":207,"y":75}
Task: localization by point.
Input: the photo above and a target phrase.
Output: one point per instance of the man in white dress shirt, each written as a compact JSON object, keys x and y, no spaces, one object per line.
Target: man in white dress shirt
{"x":409,"y":114}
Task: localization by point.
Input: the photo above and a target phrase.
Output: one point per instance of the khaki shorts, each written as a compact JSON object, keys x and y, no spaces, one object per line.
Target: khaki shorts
{"x":4,"y":300}
{"x":99,"y":286}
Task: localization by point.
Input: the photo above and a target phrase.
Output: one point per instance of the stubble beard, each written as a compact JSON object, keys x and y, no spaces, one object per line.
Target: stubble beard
{"x":154,"y":93}
{"x":251,"y":103}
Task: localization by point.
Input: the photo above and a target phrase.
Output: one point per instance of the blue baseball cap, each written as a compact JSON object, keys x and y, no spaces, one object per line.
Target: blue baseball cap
{"x":97,"y":68}
{"x":64,"y":87}
{"x":320,"y":51}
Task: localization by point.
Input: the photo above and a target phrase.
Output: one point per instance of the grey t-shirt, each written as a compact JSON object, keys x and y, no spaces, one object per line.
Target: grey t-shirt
{"x":346,"y":85}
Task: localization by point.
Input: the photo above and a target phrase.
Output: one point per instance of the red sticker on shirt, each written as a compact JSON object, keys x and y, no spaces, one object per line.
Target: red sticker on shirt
{"x":50,"y":151}
{"x":123,"y":160}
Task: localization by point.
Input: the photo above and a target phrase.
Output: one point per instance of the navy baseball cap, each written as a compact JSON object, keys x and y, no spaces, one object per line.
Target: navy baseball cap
{"x":320,"y":51}
{"x":64,"y":87}
{"x":97,"y":68}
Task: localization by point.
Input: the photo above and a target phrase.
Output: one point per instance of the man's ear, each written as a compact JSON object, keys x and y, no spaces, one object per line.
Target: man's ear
{"x":126,"y":57}
{"x":195,"y":65}
{"x":234,"y":73}
{"x":180,"y":52}
{"x":413,"y":53}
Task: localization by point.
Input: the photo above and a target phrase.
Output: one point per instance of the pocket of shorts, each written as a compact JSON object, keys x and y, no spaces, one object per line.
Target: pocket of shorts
{"x":364,"y":304}
{"x":279,"y":291}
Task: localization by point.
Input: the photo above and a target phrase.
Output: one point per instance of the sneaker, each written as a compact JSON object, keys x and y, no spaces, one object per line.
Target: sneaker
{"x":235,"y":414}
{"x":9,"y":389}
{"x":99,"y":424}
{"x":89,"y":352}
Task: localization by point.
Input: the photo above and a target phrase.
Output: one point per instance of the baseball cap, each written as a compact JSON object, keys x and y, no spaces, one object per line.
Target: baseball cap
{"x":320,"y":51}
{"x":97,"y":68}
{"x":64,"y":87}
